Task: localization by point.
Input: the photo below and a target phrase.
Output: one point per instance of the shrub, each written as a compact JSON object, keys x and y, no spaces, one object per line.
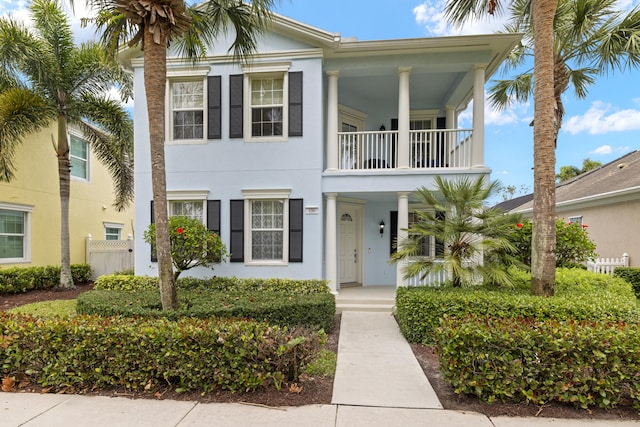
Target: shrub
{"x":132,"y":283}
{"x":631,"y":275}
{"x":580,"y":295}
{"x":189,"y":354}
{"x":192,"y":245}
{"x":22,"y":279}
{"x":313,"y":310}
{"x":573,"y":245}
{"x":585,"y":362}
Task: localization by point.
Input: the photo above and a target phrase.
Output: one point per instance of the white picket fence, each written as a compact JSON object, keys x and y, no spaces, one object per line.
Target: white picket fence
{"x":608,"y":265}
{"x":109,"y":256}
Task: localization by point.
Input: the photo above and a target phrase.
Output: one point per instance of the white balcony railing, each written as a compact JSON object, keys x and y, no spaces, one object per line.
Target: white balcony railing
{"x":441,"y":148}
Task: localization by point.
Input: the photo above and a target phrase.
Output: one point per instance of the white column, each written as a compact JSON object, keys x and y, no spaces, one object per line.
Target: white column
{"x":450,"y":123}
{"x":330,"y":243}
{"x":403,"y":224}
{"x":404,"y":116}
{"x":332,"y":121}
{"x":477,"y":149}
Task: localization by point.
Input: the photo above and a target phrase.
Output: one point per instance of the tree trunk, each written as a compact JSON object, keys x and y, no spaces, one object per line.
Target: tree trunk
{"x":155,"y":71}
{"x":543,"y":244}
{"x":64,"y":176}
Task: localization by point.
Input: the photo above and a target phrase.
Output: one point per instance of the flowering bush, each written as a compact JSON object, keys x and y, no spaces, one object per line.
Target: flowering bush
{"x":192,"y":244}
{"x":573,"y":245}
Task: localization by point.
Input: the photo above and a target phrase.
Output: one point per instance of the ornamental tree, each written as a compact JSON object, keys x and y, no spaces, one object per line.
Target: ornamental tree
{"x":192,"y":245}
{"x":573,"y":245}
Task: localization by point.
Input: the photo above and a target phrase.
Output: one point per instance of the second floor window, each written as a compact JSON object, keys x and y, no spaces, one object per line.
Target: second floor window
{"x":79,"y":157}
{"x":187,"y":110}
{"x":267,"y":105}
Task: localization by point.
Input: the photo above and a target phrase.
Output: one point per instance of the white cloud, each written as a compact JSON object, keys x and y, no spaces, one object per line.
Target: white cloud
{"x":607,"y":149}
{"x":603,"y":118}
{"x":517,"y":113}
{"x":430,"y":13}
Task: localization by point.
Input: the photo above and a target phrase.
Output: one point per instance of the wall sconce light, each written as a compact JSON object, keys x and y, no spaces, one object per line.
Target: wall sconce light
{"x":381,"y":227}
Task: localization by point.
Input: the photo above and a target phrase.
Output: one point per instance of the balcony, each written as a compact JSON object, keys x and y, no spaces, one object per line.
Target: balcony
{"x":428,"y":149}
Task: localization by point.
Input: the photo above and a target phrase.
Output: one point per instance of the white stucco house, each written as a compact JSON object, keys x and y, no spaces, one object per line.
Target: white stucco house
{"x":305,"y":159}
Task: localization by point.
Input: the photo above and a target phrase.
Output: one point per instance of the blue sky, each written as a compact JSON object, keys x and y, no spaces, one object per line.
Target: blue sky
{"x":603,"y":127}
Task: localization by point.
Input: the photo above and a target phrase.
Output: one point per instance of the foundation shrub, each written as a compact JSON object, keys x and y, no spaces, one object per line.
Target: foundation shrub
{"x":585,"y":363}
{"x":22,"y":279}
{"x":631,"y":275}
{"x":580,"y":295}
{"x":132,"y":283}
{"x":144,"y":353}
{"x":315,"y":310}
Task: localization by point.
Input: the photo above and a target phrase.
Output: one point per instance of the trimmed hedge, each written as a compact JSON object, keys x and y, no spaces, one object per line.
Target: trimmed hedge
{"x":133,"y":283}
{"x":580,"y":295}
{"x":631,"y":275}
{"x":315,"y":310}
{"x":584,"y":363}
{"x":22,"y":279}
{"x":189,"y":354}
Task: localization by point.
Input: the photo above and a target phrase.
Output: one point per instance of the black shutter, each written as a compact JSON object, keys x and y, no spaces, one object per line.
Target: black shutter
{"x":237,"y":231}
{"x":295,"y":230}
{"x":393,"y":231}
{"x":214,"y":105}
{"x":295,"y":103}
{"x":439,"y":244}
{"x":235,"y":105}
{"x":213,"y":216}
{"x":154,"y":254}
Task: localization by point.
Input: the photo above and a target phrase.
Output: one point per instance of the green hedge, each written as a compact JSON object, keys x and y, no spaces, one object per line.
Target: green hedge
{"x":133,"y":283}
{"x":631,"y":275}
{"x":580,"y":295}
{"x":22,"y":279}
{"x":584,"y":363}
{"x":313,"y":310}
{"x":189,"y":354}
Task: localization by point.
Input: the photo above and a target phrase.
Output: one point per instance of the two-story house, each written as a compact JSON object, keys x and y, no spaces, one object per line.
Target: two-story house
{"x":305,"y":159}
{"x":30,"y":204}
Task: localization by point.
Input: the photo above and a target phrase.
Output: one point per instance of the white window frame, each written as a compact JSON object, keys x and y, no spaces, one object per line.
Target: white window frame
{"x":265,"y":71}
{"x":261,"y":195}
{"x":191,"y":74}
{"x":576,"y":218}
{"x":113,"y":225}
{"x":77,"y":135}
{"x":26,"y":236}
{"x":195,"y":196}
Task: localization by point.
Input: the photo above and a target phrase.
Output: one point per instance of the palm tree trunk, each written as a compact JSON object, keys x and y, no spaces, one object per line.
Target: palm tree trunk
{"x":543,"y":250}
{"x":155,"y":69}
{"x":64,"y":175}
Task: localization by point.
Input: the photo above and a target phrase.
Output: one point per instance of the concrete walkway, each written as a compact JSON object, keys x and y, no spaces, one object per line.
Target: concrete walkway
{"x":378,"y":383}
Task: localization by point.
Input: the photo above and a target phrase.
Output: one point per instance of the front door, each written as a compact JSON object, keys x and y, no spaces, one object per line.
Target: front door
{"x":349,"y":265}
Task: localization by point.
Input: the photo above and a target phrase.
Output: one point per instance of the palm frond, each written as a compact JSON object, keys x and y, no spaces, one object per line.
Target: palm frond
{"x":504,"y":93}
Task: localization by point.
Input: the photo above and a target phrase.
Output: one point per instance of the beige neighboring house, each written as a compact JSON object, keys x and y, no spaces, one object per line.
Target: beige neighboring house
{"x":606,"y":200}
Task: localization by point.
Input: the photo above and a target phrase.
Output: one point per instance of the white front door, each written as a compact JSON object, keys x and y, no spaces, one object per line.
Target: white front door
{"x":348,"y":241}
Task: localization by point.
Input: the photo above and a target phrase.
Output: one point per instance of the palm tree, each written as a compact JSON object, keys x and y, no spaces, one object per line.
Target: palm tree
{"x":153,"y":24}
{"x":466,"y":231}
{"x":591,"y":38}
{"x":541,"y":13}
{"x":46,"y":78}
{"x":569,"y":172}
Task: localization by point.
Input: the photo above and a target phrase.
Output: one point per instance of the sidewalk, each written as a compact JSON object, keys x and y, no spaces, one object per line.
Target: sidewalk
{"x":378,"y":383}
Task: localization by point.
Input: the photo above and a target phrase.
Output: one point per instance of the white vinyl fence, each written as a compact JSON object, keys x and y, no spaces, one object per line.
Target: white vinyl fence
{"x":109,"y":256}
{"x":607,"y":265}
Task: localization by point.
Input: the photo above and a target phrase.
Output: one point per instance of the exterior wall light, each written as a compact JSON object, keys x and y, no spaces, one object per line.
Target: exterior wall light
{"x":381,"y":227}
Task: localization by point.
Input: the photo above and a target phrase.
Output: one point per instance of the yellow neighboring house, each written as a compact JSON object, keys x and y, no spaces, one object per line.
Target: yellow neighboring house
{"x":30,"y":204}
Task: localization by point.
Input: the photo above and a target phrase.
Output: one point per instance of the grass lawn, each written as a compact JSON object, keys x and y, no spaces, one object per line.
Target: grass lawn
{"x":48,"y":308}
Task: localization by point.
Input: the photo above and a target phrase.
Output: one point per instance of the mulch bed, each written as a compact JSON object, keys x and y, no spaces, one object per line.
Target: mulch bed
{"x":318,"y":390}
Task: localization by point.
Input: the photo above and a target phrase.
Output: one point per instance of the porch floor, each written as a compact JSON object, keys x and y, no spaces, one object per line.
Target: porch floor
{"x":366,"y":298}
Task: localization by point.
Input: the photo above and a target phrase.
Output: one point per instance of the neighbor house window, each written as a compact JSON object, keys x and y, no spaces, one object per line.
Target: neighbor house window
{"x":187,"y":110}
{"x":113,"y":231}
{"x":577,"y":219}
{"x":267,"y":219}
{"x":14,"y":233}
{"x":79,"y":157}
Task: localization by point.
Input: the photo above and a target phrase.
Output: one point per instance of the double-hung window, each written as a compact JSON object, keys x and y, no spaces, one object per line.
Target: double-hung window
{"x":191,"y":204}
{"x":79,"y":157}
{"x":267,"y":223}
{"x":14,"y":233}
{"x":266,"y":112}
{"x":113,"y":231}
{"x":429,"y":245}
{"x":187,"y":110}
